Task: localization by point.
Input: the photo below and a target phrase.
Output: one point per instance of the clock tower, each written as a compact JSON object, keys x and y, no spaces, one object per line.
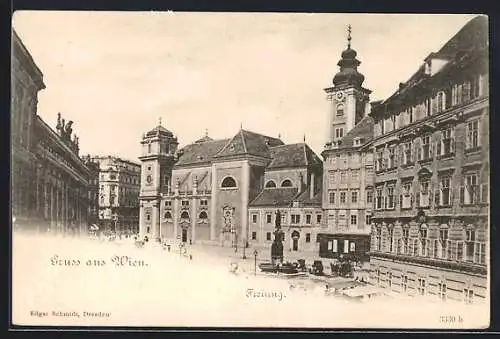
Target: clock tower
{"x":348,"y":99}
{"x":159,"y":147}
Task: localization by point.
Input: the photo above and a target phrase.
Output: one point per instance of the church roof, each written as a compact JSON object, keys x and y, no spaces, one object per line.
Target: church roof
{"x":293,"y":155}
{"x":199,"y":153}
{"x":282,"y":196}
{"x":204,"y":139}
{"x":249,"y":143}
{"x":159,"y":130}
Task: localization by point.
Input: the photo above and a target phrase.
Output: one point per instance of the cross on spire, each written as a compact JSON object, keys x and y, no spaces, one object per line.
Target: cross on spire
{"x":206,"y":132}
{"x":159,"y":121}
{"x":349,"y":30}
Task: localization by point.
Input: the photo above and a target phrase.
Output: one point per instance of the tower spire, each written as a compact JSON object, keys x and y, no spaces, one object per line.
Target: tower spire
{"x":349,"y":30}
{"x":206,"y":132}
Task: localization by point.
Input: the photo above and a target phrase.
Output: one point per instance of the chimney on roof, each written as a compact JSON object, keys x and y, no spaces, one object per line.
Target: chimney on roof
{"x":311,"y":187}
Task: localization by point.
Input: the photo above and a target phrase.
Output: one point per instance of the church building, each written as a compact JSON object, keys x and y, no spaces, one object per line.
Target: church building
{"x":201,"y":193}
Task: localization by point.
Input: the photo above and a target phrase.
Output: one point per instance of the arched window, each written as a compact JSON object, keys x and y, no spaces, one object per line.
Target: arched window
{"x":228,"y":182}
{"x":340,"y":110}
{"x":203,"y":215}
{"x":168,"y":215}
{"x":286,"y":183}
{"x":270,"y":184}
{"x":184,"y":215}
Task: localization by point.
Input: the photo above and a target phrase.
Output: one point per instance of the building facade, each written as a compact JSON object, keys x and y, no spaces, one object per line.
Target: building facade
{"x":348,"y":174}
{"x":202,"y":192}
{"x":93,"y":192}
{"x":119,"y":184}
{"x":430,"y":230}
{"x":292,"y":185}
{"x":49,"y":180}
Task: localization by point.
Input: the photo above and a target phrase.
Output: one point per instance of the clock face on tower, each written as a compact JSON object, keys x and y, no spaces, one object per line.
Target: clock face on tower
{"x":339,"y":96}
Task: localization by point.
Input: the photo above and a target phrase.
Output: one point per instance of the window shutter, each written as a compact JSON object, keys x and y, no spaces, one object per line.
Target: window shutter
{"x":484,"y":193}
{"x":452,"y":141}
{"x":436,"y":197}
{"x":462,"y":195}
{"x":434,"y":103}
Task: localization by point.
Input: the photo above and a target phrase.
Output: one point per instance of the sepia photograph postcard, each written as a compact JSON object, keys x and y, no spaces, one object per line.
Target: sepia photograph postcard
{"x":250,"y":170}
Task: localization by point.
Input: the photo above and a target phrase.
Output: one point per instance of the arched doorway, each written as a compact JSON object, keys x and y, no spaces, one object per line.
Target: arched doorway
{"x":295,"y":240}
{"x":184,"y":235}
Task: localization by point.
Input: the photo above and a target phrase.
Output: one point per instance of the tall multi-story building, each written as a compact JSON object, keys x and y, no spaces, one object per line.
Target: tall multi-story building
{"x":119,"y":184}
{"x":431,"y":146}
{"x":202,"y":192}
{"x":348,"y":168}
{"x":49,"y":180}
{"x":93,"y":192}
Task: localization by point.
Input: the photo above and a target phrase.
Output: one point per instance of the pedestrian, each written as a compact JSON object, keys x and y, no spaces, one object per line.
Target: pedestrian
{"x":190,"y":257}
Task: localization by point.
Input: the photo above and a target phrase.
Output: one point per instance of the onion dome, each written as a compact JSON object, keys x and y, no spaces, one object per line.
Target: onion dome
{"x":159,"y":130}
{"x":348,"y":74}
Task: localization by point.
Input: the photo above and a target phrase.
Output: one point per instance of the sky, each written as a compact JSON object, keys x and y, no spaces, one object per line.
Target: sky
{"x":115,"y":74}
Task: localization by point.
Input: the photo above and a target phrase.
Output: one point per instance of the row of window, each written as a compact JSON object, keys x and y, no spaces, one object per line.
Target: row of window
{"x":125,"y":179}
{"x":344,"y":176}
{"x":341,"y":221}
{"x":294,"y":218}
{"x":185,"y":203}
{"x":164,"y":147}
{"x":184,"y":216}
{"x":354,"y":197}
{"x":422,"y":286}
{"x":423,"y":149}
{"x":469,"y":250}
{"x":269,"y":234}
{"x":284,"y":183}
{"x":458,"y":94}
{"x":470,"y":192}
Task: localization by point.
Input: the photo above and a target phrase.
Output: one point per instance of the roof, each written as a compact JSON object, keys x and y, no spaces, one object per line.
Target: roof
{"x":282,"y":196}
{"x":305,"y":199}
{"x":30,"y":65}
{"x":363,"y":130}
{"x":204,"y":139}
{"x":249,"y":143}
{"x":472,"y":38}
{"x":293,"y":155}
{"x":160,"y":130}
{"x":199,"y":153}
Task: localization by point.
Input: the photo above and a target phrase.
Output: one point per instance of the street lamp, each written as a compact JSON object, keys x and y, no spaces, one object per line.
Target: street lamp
{"x":244,"y":245}
{"x":255,"y":252}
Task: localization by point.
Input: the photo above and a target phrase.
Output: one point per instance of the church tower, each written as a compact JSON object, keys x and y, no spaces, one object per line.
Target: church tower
{"x":348,"y":100}
{"x":159,"y":147}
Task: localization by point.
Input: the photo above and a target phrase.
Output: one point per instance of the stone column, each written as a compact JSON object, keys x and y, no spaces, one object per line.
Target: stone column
{"x":142,"y":230}
{"x":213,"y":204}
{"x":245,"y":186}
{"x":194,"y":219}
{"x":52,"y":203}
{"x":175,"y":217}
{"x":154,"y":220}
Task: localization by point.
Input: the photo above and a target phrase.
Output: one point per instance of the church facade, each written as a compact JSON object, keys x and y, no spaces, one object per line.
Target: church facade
{"x":203,"y":193}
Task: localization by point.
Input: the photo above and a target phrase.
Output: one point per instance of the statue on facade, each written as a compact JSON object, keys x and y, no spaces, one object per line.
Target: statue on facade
{"x":59,"y":122}
{"x":68,"y":129}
